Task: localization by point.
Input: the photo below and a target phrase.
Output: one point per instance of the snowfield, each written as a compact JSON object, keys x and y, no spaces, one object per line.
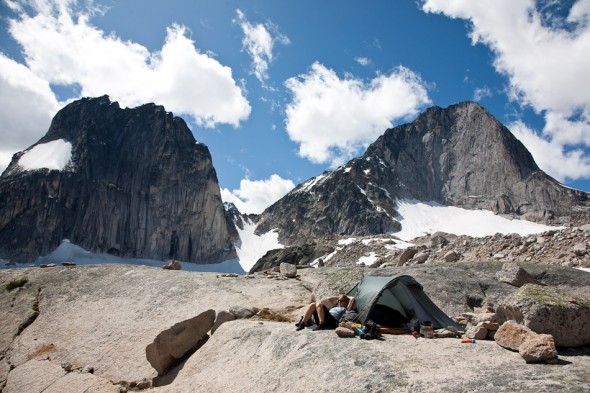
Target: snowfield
{"x":51,"y":155}
{"x":253,"y":247}
{"x":420,"y":218}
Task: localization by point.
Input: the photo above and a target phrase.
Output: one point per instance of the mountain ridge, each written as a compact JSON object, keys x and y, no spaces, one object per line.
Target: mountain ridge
{"x":457,"y":156}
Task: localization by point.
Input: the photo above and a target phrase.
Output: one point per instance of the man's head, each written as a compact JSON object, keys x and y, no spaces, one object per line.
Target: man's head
{"x":343,"y":299}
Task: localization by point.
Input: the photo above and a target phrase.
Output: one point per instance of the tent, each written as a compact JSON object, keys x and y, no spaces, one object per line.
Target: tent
{"x":393,"y":301}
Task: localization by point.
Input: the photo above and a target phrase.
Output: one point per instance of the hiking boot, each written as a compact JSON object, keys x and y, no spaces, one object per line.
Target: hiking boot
{"x":300,"y":326}
{"x":318,"y":327}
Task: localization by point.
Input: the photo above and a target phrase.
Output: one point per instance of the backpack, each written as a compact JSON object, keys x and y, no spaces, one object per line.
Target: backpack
{"x":349,"y":315}
{"x":371,"y":331}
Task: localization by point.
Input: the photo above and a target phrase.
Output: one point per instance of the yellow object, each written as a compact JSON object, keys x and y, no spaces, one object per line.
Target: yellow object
{"x":388,"y":330}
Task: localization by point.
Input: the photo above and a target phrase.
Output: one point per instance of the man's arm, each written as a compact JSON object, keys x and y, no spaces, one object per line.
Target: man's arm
{"x":329,"y":301}
{"x":351,"y":302}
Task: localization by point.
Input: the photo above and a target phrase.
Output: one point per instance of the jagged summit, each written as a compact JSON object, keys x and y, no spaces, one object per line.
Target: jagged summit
{"x":134,"y":176}
{"x":456,"y":156}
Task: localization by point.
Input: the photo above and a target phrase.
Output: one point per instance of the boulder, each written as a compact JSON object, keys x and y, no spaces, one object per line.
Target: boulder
{"x":437,"y":240}
{"x":477,"y":332}
{"x":241,"y":312}
{"x":537,"y":348}
{"x":490,"y":317}
{"x":407,"y":255}
{"x":549,"y":310}
{"x":222,"y":317}
{"x":172,"y":344}
{"x":580,"y":249}
{"x":288,"y":270}
{"x":490,"y":326}
{"x":451,"y":256}
{"x":172,"y":265}
{"x":511,"y":335}
{"x":421,"y":257}
{"x":515,"y":275}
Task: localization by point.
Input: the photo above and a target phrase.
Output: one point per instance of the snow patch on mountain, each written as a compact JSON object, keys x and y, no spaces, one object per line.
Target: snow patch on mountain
{"x":252,"y":247}
{"x":69,"y":252}
{"x":420,"y":218}
{"x":368,"y":260}
{"x":51,"y":155}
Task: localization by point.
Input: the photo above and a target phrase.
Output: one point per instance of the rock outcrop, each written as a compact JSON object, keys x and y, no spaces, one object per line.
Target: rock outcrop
{"x":137,"y":185}
{"x":458,"y":156}
{"x":515,"y":275}
{"x":549,"y":310}
{"x":114,"y":311}
{"x":296,"y":255}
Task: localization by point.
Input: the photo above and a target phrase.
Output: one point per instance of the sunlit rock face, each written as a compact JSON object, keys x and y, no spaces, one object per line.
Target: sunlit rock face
{"x":457,"y":156}
{"x":114,"y":180}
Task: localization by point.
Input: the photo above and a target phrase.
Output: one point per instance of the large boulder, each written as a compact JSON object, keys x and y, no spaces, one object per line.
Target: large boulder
{"x":546,"y":309}
{"x":288,"y":270}
{"x":531,"y":346}
{"x":173,"y":343}
{"x":537,"y":348}
{"x":511,"y":335}
{"x":515,"y":275}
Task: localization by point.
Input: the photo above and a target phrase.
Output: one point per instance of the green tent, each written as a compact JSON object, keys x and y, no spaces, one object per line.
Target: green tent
{"x":393,"y":301}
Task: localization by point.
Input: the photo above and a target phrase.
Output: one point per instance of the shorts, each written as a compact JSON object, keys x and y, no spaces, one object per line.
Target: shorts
{"x":329,"y":321}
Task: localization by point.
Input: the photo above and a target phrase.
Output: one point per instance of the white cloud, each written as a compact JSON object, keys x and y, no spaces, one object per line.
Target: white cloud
{"x":481,"y":92}
{"x":27,"y":105}
{"x":259,"y":43}
{"x":66,"y":49}
{"x":545,"y":57}
{"x":550,"y":155}
{"x":332,"y":119}
{"x":362,"y":61}
{"x":254,"y":196}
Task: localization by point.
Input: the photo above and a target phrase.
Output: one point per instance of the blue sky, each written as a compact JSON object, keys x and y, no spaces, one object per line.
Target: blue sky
{"x":281,"y":91}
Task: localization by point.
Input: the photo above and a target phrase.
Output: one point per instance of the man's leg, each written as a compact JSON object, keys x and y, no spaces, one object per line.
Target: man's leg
{"x":321,"y":310}
{"x":307,"y":316}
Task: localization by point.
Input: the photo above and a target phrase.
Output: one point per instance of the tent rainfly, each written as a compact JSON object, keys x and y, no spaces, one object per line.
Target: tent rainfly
{"x":397,"y":298}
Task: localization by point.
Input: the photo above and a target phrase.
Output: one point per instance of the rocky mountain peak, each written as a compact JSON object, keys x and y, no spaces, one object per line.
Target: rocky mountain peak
{"x":135,"y":177}
{"x":457,"y":156}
